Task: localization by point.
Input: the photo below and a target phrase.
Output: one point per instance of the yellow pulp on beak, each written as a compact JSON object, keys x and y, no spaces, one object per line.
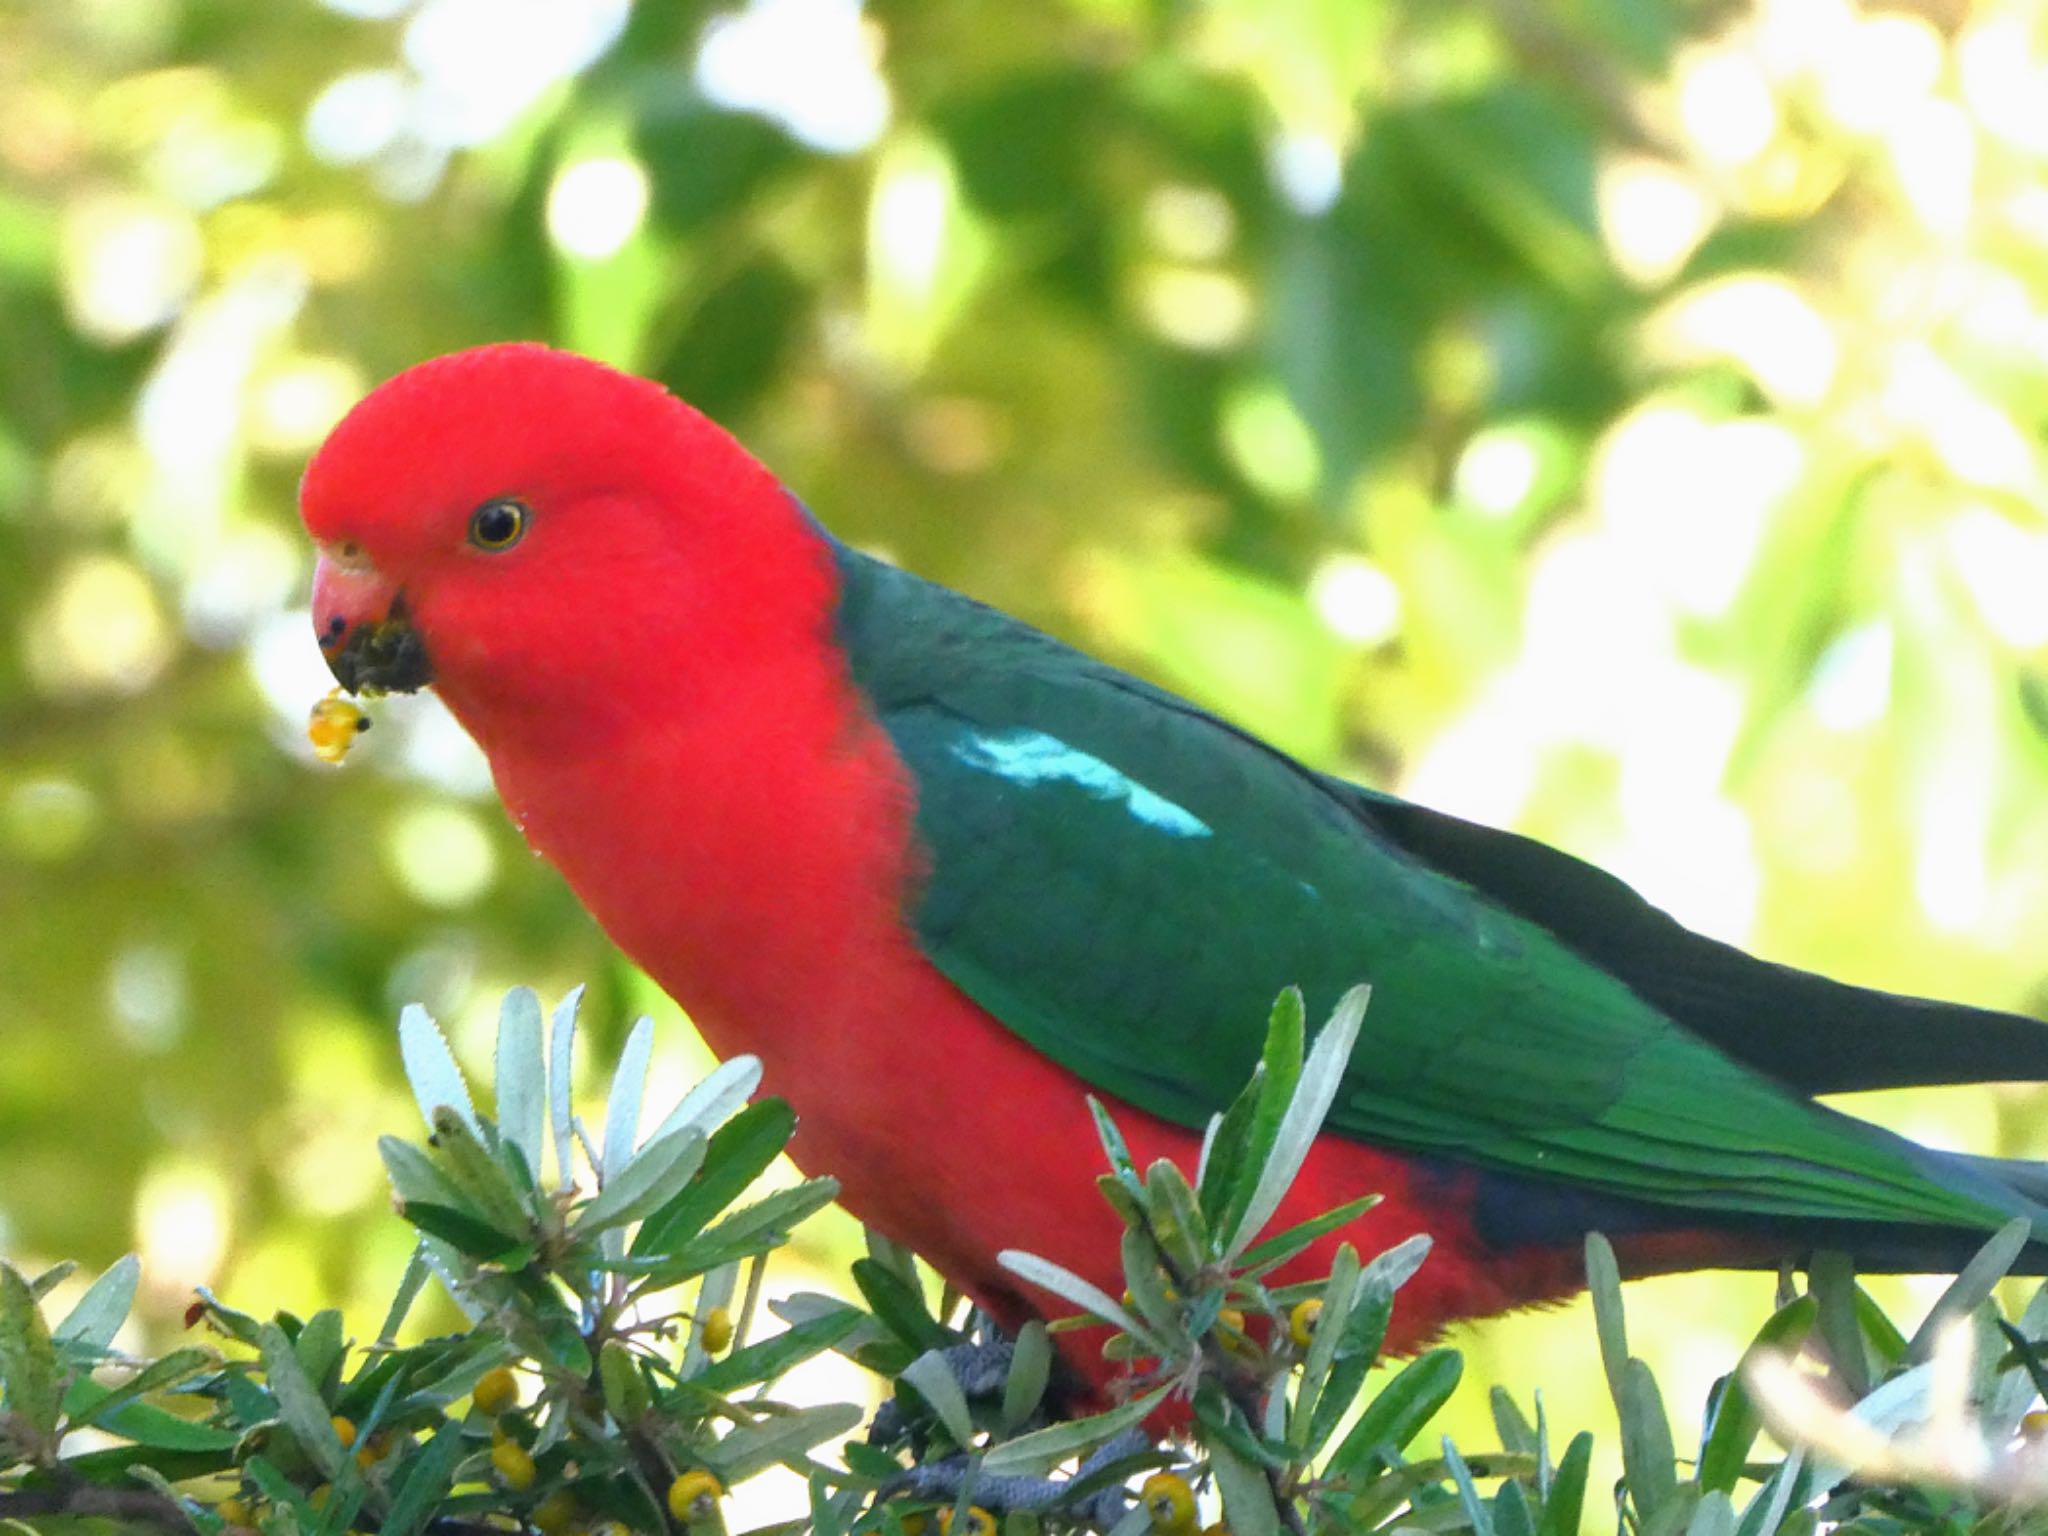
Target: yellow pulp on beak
{"x":335,"y":724}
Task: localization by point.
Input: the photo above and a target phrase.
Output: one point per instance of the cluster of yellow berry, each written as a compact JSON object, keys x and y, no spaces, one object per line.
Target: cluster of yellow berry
{"x":240,"y":1512}
{"x":692,"y":1497}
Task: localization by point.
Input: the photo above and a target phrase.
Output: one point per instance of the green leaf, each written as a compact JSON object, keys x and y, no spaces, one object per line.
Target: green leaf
{"x":1397,"y":1414}
{"x":422,"y":1482}
{"x":28,"y":1357}
{"x":1339,"y":1296}
{"x":648,"y":1181}
{"x":1603,"y":1285}
{"x":781,"y":1438}
{"x":487,"y":1188}
{"x":298,"y":1402}
{"x":1177,"y":1221}
{"x":1248,"y":1507}
{"x":87,"y":1402}
{"x":1973,"y":1287}
{"x":1321,"y":1076}
{"x":320,"y":1348}
{"x":1114,"y":1147}
{"x":899,"y":1306}
{"x":1030,"y":1370}
{"x":410,"y":1284}
{"x":737,"y":1153}
{"x":714,"y":1100}
{"x":1737,"y":1421}
{"x":1149,"y":1297}
{"x":1564,"y":1508}
{"x":1476,"y":1512}
{"x":459,"y":1229}
{"x":561,"y":1066}
{"x":521,"y":1076}
{"x":1358,"y":1348}
{"x":1075,"y":1291}
{"x":935,"y":1382}
{"x":1274,"y":1080}
{"x":1262,"y":1258}
{"x":1649,"y":1462}
{"x":628,"y":1090}
{"x":626,"y":1396}
{"x":430,"y":1068}
{"x":1714,"y":1516}
{"x":751,"y":1229}
{"x":1037,"y":1453}
{"x":769,"y":1358}
{"x":103,"y":1308}
{"x":1511,"y":1515}
{"x":1509,"y":1422}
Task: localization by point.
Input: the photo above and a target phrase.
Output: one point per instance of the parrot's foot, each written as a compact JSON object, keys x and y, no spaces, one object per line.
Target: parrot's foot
{"x":943,"y":1481}
{"x":981,"y":1364}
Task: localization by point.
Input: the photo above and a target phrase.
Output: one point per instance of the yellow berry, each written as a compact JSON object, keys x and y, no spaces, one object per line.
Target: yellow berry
{"x":515,"y":1466}
{"x":979,"y":1522}
{"x":915,"y":1523}
{"x":555,"y":1514}
{"x":1230,"y":1329}
{"x":1169,"y":1503}
{"x":609,"y":1528}
{"x":2035,"y":1425}
{"x":335,"y":724}
{"x":344,"y":1430}
{"x":1218,"y":1529}
{"x":1301,"y":1322}
{"x":714,"y":1330}
{"x":497,"y":1393}
{"x":694,"y":1495}
{"x":234,"y":1511}
{"x":317,"y":1499}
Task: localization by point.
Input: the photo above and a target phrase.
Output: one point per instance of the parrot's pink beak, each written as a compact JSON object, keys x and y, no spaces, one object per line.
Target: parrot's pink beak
{"x":365,"y":632}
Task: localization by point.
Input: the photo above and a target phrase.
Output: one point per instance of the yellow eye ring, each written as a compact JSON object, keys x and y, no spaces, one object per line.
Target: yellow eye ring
{"x":499,"y":524}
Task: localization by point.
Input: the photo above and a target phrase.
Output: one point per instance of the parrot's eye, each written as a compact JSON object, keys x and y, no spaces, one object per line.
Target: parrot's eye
{"x":498,"y":525}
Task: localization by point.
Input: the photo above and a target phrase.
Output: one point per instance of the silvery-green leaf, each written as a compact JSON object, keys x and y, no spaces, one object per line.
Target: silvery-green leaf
{"x":782,"y":1438}
{"x":1071,"y":1288}
{"x":1338,"y":1297}
{"x":410,"y":1284}
{"x":298,"y":1404}
{"x":1766,"y":1512}
{"x":1030,"y":1369}
{"x":28,"y":1358}
{"x":708,"y":1105}
{"x":1715,"y":1516}
{"x":937,"y":1385}
{"x":1973,"y":1286}
{"x":1397,"y":1266}
{"x":646,"y":1183}
{"x":413,"y":1174}
{"x":521,"y":1084}
{"x":103,"y":1308}
{"x":622,"y":1105}
{"x":430,"y":1067}
{"x":561,"y":1079}
{"x":1039,"y":1452}
{"x":1247,"y":1498}
{"x":1322,"y":1073}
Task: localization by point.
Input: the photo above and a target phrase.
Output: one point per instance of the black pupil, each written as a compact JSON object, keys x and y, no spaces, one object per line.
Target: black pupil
{"x":497,"y":523}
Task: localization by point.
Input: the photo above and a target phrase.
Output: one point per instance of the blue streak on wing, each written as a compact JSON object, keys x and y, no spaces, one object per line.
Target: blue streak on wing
{"x":1026,"y":756}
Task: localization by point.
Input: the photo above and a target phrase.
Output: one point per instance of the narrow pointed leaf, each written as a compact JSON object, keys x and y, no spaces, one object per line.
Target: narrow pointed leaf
{"x":1564,"y":1506}
{"x":937,"y":1385}
{"x":1040,"y":1451}
{"x":1071,"y":1288}
{"x":298,"y":1403}
{"x":430,"y":1067}
{"x":103,"y":1308}
{"x":710,"y":1103}
{"x":1973,"y":1287}
{"x":1322,"y":1074}
{"x":1030,"y":1370}
{"x":1248,"y":1507}
{"x":655,"y":1176}
{"x":521,"y":1076}
{"x":1603,"y":1285}
{"x":28,"y":1357}
{"x":561,"y":1075}
{"x":738,"y":1152}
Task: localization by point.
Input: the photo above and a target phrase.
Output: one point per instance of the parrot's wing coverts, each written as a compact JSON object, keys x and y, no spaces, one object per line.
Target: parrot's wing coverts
{"x":1125,"y":881}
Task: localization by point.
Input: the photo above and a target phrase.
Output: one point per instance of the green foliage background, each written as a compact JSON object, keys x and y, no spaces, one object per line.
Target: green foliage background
{"x":1618,"y":420}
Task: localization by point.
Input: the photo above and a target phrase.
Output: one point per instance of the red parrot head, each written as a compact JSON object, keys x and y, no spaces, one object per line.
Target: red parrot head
{"x":526,"y":528}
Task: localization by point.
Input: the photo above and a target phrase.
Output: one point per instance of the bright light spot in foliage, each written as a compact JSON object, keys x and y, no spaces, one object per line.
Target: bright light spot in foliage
{"x":1851,"y":686}
{"x":441,"y":855}
{"x":48,"y":819}
{"x":182,"y":1225}
{"x":1497,"y":471}
{"x":147,"y":994}
{"x":596,"y":206}
{"x":1762,"y":323}
{"x":481,"y":63}
{"x":1688,"y":500}
{"x":1725,"y":105}
{"x":100,"y":632}
{"x":1934,"y":153}
{"x":1356,"y":599}
{"x":2006,"y":571}
{"x":296,"y":403}
{"x":1978,"y":441}
{"x":1190,"y":223}
{"x":1652,"y":216}
{"x":1270,"y":444}
{"x":810,"y":65}
{"x":128,"y":265}
{"x":2002,"y":62}
{"x":1308,"y":172}
{"x":1203,"y":311}
{"x":358,"y":116}
{"x":1880,"y":71}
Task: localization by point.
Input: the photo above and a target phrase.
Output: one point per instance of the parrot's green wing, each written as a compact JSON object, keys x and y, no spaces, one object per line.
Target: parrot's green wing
{"x":1126,"y":883}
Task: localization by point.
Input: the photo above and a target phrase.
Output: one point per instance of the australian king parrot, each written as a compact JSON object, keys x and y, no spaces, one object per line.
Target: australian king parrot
{"x":947,"y":876}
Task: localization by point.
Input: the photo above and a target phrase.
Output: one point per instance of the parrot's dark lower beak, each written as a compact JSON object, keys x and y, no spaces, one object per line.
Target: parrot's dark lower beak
{"x":376,"y":656}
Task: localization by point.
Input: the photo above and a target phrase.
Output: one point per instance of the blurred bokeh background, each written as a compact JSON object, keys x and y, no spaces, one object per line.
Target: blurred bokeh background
{"x":1617,"y":419}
